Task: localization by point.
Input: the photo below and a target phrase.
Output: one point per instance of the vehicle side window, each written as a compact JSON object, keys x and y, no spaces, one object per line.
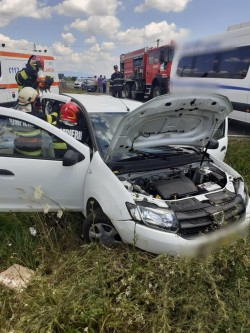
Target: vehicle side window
{"x":156,"y":57}
{"x":150,"y":58}
{"x":219,"y":132}
{"x":171,"y":54}
{"x":230,"y":64}
{"x":163,"y":55}
{"x":79,"y":131}
{"x":22,"y":139}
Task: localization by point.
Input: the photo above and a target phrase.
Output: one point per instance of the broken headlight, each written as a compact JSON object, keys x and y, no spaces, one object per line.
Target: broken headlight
{"x":159,"y":218}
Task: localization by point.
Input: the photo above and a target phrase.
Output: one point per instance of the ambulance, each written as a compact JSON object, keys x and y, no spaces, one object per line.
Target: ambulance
{"x":13,"y":60}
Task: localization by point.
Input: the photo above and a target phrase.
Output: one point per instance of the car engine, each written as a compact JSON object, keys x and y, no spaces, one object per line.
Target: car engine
{"x":177,"y":183}
{"x":203,"y":198}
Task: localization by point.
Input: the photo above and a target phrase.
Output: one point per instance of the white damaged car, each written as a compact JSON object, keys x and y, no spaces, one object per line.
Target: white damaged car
{"x":143,"y":177}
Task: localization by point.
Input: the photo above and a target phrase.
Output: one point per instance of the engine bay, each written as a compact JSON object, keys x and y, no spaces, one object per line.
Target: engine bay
{"x":176,"y":183}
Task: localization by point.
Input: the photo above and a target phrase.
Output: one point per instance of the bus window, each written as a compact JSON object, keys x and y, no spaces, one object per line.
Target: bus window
{"x":230,"y":64}
{"x":234,"y":64}
{"x":185,"y":66}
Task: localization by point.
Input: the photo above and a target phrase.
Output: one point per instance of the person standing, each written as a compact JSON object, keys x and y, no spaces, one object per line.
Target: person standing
{"x":117,"y":83}
{"x":104,"y":84}
{"x":32,"y":75}
{"x":99,"y":84}
{"x":95,"y":83}
{"x":28,"y":76}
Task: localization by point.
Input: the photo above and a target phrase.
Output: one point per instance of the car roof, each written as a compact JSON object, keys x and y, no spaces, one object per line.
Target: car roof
{"x":105,"y":103}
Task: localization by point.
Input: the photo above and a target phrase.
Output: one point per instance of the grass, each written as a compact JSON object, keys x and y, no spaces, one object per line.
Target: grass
{"x":238,"y":156}
{"x":89,"y":288}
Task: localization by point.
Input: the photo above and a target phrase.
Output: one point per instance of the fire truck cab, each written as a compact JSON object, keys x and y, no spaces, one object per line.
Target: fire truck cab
{"x":13,"y":60}
{"x":147,"y":71}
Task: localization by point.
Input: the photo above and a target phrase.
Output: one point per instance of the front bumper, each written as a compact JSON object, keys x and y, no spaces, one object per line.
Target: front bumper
{"x":159,"y":242}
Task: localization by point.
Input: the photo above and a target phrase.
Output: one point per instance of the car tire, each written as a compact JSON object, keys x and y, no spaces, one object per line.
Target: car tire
{"x":156,"y":91}
{"x":133,"y":92}
{"x":98,"y":228}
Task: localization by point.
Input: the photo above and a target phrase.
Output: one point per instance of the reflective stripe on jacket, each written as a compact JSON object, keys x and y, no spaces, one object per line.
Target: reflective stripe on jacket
{"x":29,"y":142}
{"x":117,"y":81}
{"x":27,"y":77}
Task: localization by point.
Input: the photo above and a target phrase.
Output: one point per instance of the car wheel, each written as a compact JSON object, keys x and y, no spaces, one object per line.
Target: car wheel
{"x":156,"y":91}
{"x":133,"y":92}
{"x":98,"y":228}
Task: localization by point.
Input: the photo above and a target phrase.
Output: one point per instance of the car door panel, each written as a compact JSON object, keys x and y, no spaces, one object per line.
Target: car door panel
{"x":34,"y":183}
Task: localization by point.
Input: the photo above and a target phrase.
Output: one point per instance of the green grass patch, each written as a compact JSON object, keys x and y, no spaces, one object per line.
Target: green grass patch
{"x":238,"y":156}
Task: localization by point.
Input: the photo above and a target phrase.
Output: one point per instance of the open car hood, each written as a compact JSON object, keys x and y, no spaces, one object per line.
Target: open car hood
{"x":188,"y":120}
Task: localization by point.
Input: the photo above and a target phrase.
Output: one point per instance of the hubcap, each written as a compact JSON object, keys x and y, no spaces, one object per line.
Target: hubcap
{"x":105,"y":234}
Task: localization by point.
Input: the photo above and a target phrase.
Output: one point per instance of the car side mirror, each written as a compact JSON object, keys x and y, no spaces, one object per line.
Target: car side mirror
{"x":213,"y":144}
{"x":71,"y":158}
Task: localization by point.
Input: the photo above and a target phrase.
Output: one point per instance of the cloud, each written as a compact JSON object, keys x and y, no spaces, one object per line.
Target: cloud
{"x":10,"y":10}
{"x":12,"y":43}
{"x":163,"y":5}
{"x":68,"y":38}
{"x":98,"y":41}
{"x":87,"y":7}
{"x":60,"y":49}
{"x":90,"y":40}
{"x":108,"y":45}
{"x":104,"y":25}
{"x":92,"y":61}
{"x":150,"y":33}
{"x":21,"y":44}
{"x":35,"y":9}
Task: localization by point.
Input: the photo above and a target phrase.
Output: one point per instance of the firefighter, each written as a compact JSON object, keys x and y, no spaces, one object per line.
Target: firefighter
{"x":26,"y":99}
{"x":29,"y":101}
{"x":117,"y":83}
{"x":71,"y":122}
{"x":27,"y":77}
{"x":28,"y":140}
{"x":32,"y":75}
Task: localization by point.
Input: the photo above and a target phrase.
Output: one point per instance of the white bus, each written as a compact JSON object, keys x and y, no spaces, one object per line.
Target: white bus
{"x":219,"y":64}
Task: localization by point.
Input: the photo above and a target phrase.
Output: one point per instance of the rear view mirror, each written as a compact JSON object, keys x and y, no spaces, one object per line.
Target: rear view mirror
{"x":213,"y":144}
{"x":72,"y":157}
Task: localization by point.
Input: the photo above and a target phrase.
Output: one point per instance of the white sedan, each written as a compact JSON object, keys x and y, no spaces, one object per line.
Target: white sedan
{"x":143,"y":176}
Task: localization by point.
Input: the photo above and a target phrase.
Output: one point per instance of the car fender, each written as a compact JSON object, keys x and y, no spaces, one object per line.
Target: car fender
{"x":103,"y":186}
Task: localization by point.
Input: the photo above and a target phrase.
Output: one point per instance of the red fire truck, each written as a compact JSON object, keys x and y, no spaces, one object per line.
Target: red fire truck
{"x":147,"y":71}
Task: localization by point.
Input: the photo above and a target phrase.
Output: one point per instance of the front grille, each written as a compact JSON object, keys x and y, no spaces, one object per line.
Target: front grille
{"x":198,"y":218}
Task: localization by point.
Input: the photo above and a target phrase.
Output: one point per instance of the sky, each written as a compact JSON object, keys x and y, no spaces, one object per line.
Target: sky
{"x":87,"y":36}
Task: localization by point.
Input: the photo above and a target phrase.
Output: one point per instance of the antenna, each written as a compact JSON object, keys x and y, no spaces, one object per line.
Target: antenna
{"x":158,"y":42}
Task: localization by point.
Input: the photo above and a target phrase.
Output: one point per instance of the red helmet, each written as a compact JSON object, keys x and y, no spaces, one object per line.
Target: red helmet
{"x":69,"y":112}
{"x":37,"y":61}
